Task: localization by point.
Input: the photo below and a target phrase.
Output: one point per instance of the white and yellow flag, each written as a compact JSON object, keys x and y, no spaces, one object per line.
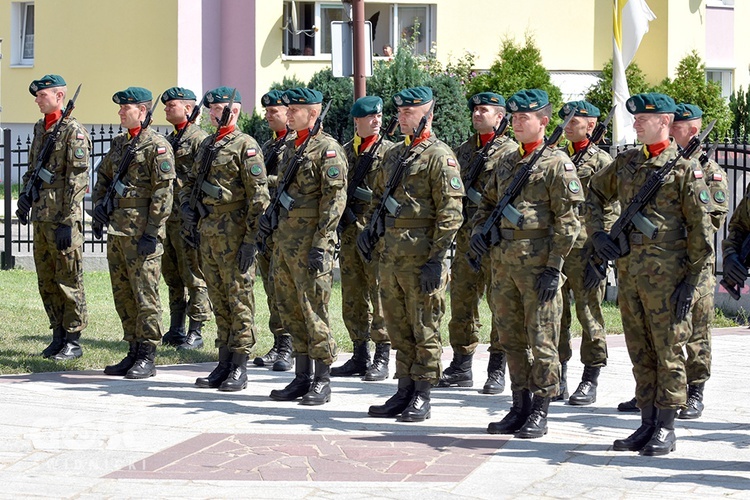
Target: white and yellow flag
{"x":631,"y":18}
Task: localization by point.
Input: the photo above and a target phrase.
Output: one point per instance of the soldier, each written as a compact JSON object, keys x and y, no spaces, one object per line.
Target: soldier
{"x":467,"y":287}
{"x":136,"y":226}
{"x":416,"y":239}
{"x":588,"y":159}
{"x":302,"y":263}
{"x":360,"y":287}
{"x":657,"y":277}
{"x":527,"y":263}
{"x":227,"y":233}
{"x":57,"y":218}
{"x":180,"y":262}
{"x":280,"y":355}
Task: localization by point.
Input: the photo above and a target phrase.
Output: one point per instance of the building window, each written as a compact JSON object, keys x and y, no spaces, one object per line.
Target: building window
{"x":414,"y":24}
{"x":307,"y":27}
{"x":22,"y":29}
{"x":724,"y":78}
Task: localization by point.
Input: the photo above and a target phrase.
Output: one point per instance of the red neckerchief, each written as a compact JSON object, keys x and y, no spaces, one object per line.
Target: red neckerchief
{"x":657,"y":149}
{"x":577,"y":146}
{"x":301,"y":136}
{"x":51,"y":119}
{"x":366,"y":143}
{"x":421,"y":138}
{"x":485,"y":138}
{"x":132,"y":132}
{"x":280,"y":134}
{"x":528,"y":148}
{"x":224,"y":131}
{"x":181,"y":126}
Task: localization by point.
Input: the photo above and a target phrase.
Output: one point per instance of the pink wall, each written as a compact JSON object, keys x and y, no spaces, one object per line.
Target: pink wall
{"x":720,"y":38}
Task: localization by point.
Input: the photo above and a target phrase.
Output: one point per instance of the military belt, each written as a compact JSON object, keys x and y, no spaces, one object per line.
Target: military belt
{"x":59,"y":183}
{"x":304,"y":213}
{"x":408,"y":223}
{"x":226,"y":207}
{"x":638,"y":238}
{"x":527,"y":234}
{"x":131,"y":202}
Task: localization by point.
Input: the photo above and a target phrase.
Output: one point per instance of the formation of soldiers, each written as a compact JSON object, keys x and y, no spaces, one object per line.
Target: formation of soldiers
{"x":532,"y":223}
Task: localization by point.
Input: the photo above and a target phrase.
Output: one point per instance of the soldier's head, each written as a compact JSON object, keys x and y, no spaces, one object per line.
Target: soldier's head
{"x":583,"y":121}
{"x":178,"y":104}
{"x":303,"y":107}
{"x":49,"y":93}
{"x":688,"y":120}
{"x":412,"y":104}
{"x":368,"y":116}
{"x":653,"y":114}
{"x":530,"y":113}
{"x":217,"y":99}
{"x":273,"y":103}
{"x":487,"y":111}
{"x":135,"y":102}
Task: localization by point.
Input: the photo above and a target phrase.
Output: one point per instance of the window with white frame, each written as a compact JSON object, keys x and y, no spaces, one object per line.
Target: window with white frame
{"x":724,"y":78}
{"x":307,"y":27}
{"x":413,"y":24}
{"x":22,"y":32}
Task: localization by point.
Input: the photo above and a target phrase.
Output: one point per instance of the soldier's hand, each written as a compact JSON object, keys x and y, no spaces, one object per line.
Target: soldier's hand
{"x":265,"y":224}
{"x":478,"y":245}
{"x":495,"y":237}
{"x":100,"y":215}
{"x":63,"y":237}
{"x":591,"y":278}
{"x":315,"y":260}
{"x":379,"y":226}
{"x":24,"y":203}
{"x":604,"y":246}
{"x":365,"y":244}
{"x":431,"y":276}
{"x":547,"y":284}
{"x":147,"y":245}
{"x":98,"y":230}
{"x":682,"y":298}
{"x":735,"y":271}
{"x":189,"y":216}
{"x":246,"y":256}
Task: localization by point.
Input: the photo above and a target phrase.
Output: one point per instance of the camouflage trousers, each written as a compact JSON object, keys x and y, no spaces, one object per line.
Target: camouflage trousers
{"x":135,"y":288}
{"x":698,"y":346}
{"x":230,"y":291}
{"x":412,"y":317}
{"x":588,"y":304}
{"x":180,"y":266}
{"x":60,"y":278}
{"x":264,"y":266}
{"x":360,"y":291}
{"x":467,"y":288}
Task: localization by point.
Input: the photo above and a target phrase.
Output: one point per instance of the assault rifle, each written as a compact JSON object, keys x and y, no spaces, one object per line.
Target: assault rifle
{"x":272,"y":159}
{"x":736,"y":291}
{"x":40,"y":173}
{"x":476,"y":166}
{"x":504,"y":207}
{"x":175,"y":140}
{"x":595,"y":137}
{"x":387,"y":202}
{"x":631,"y":217}
{"x":282,"y":198}
{"x":117,"y":186}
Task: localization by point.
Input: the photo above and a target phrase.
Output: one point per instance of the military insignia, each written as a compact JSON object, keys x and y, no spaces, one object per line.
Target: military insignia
{"x":455,"y":183}
{"x":165,"y":166}
{"x":34,"y":87}
{"x":650,"y":106}
{"x":704,"y":196}
{"x":251,"y":152}
{"x":494,"y":99}
{"x":117,"y":99}
{"x":720,"y":197}
{"x":79,"y":153}
{"x":285,"y":98}
{"x":256,"y":170}
{"x":451,"y":162}
{"x":161,"y":150}
{"x":698,"y":174}
{"x":266,"y":100}
{"x":574,"y":186}
{"x":333,"y":172}
{"x":330,"y":153}
{"x":533,"y":104}
{"x":210,"y":98}
{"x":513,"y":106}
{"x":80,"y":136}
{"x":477,"y":99}
{"x":718,"y":177}
{"x":631,"y":106}
{"x":398,"y":100}
{"x":566,"y":109}
{"x":569,"y":167}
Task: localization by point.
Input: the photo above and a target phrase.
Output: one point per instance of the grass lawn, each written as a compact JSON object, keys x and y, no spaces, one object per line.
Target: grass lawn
{"x":14,"y":189}
{"x":24,"y":330}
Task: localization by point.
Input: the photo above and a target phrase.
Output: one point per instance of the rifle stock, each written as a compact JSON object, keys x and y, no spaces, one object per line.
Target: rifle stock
{"x":736,"y":291}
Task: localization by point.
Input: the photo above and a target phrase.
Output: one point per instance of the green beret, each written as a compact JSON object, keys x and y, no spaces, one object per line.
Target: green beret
{"x":415,"y":96}
{"x":302,"y":95}
{"x":486,"y":99}
{"x":177,"y":93}
{"x":582,"y":108}
{"x":46,"y":82}
{"x":221,"y":95}
{"x":132,"y":95}
{"x":687,"y":112}
{"x":525,"y":101}
{"x":367,"y":105}
{"x":651,"y":103}
{"x":273,"y":98}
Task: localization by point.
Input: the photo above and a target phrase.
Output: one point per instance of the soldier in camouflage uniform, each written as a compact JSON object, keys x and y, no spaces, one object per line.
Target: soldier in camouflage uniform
{"x":527,"y":263}
{"x":657,"y":277}
{"x":234,"y":192}
{"x":302,"y":262}
{"x":180,"y":262}
{"x":280,"y":355}
{"x":136,"y":226}
{"x":413,"y":275}
{"x":360,"y":286}
{"x":467,"y":286}
{"x":57,"y":218}
{"x":588,"y":159}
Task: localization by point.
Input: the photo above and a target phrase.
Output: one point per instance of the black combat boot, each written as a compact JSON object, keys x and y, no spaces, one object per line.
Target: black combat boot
{"x":663,"y":441}
{"x":642,"y":435}
{"x":58,"y":342}
{"x":628,"y":406}
{"x":320,"y":390}
{"x":563,"y":394}
{"x":396,"y":403}
{"x":71,"y":349}
{"x":459,"y":372}
{"x":586,"y":392}
{"x":301,"y":383}
{"x":536,"y":423}
{"x":121,"y":368}
{"x":237,"y":378}
{"x":358,"y":364}
{"x":176,"y":334}
{"x":694,"y":406}
{"x":220,"y":373}
{"x":495,"y":374}
{"x":194,"y":338}
{"x":517,"y":415}
{"x":284,"y":361}
{"x":379,"y":368}
{"x":144,"y":362}
{"x":418,"y":409}
{"x":271,"y":356}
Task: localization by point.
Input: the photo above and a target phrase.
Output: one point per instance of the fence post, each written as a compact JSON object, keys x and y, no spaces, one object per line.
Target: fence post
{"x":7,"y":260}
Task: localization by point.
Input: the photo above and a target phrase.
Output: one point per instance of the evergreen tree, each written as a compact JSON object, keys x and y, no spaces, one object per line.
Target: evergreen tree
{"x":739,"y":105}
{"x":600,"y":94}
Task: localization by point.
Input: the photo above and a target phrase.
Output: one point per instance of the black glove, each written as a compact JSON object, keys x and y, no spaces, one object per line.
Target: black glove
{"x":98,"y":230}
{"x":379,"y":227}
{"x":146,"y":245}
{"x":189,"y":216}
{"x":682,"y":298}
{"x":267,"y":223}
{"x":604,"y":246}
{"x":735,"y":271}
{"x":478,"y":245}
{"x":63,"y":237}
{"x":24,"y":203}
{"x":432,"y":273}
{"x":591,"y":279}
{"x":364,"y":244}
{"x":246,"y":256}
{"x":547,"y":284}
{"x":315,"y":260}
{"x":100,"y":215}
{"x":495,"y":236}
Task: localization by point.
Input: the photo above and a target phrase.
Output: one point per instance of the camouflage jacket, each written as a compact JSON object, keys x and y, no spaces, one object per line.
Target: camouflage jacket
{"x":184,"y":156}
{"x":361,"y":207}
{"x":144,"y":201}
{"x":60,"y":202}
{"x":273,"y":161}
{"x":716,"y":180}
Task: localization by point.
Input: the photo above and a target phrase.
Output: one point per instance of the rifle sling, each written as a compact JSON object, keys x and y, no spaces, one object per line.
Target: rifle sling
{"x":226,"y":207}
{"x":401,"y":223}
{"x":525,"y":234}
{"x":302,"y":213}
{"x":59,"y":183}
{"x":638,"y":238}
{"x":131,"y":202}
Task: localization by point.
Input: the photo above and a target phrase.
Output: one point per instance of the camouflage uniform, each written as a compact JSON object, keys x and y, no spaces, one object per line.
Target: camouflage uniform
{"x":650,"y":273}
{"x":141,"y":208}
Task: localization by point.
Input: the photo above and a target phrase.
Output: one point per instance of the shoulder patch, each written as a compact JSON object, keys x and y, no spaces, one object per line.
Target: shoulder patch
{"x":331,"y":153}
{"x":569,"y":167}
{"x":80,"y":136}
{"x":698,"y":174}
{"x":161,"y":150}
{"x":79,"y":153}
{"x":717,"y":177}
{"x":704,"y":196}
{"x":251,"y":152}
{"x":455,"y":182}
{"x":720,"y":197}
{"x":574,"y":186}
{"x":256,"y":170}
{"x":333,"y":172}
{"x":451,"y":163}
{"x":165,"y":166}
